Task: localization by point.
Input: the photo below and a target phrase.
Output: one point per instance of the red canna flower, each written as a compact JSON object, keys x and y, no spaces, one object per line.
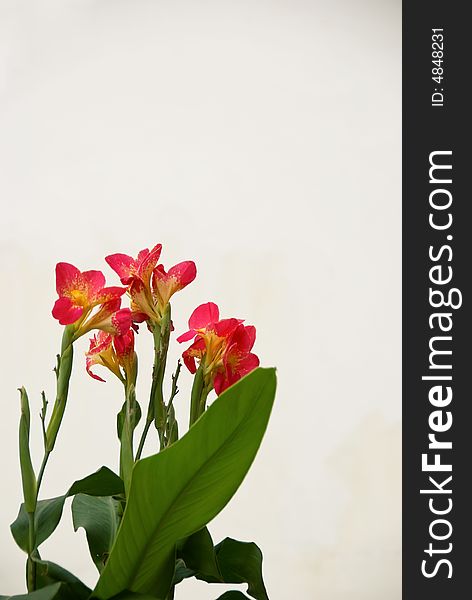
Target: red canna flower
{"x":124,"y":345}
{"x":109,"y":318}
{"x":112,"y":352}
{"x":80,"y":292}
{"x":223,"y":347}
{"x":101,"y":353}
{"x":205,"y":319}
{"x":165,"y":285}
{"x":238,"y":360}
{"x":128,"y":269}
{"x":137,"y":274}
{"x":149,"y":286}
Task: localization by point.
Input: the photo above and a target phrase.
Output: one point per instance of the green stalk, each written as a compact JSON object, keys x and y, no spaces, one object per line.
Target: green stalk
{"x":159,"y":404}
{"x":156,"y":409}
{"x":143,"y":437}
{"x":63,"y":373}
{"x":200,"y":391}
{"x":29,"y":483}
{"x":199,"y":394}
{"x":126,"y":439}
{"x":30,"y":564}
{"x":172,"y":428}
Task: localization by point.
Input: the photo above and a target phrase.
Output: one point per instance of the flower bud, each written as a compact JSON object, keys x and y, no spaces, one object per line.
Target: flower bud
{"x":28,"y":478}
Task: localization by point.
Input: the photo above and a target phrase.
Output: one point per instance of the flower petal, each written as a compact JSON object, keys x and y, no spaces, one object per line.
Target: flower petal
{"x":123,"y":265}
{"x":88,"y":367}
{"x":204,"y":315}
{"x":146,"y":266}
{"x":196,"y":350}
{"x":184,"y":273}
{"x":139,"y":317}
{"x":248,"y":364}
{"x":142,"y":254}
{"x":243,"y":337}
{"x":93,"y":282}
{"x":108,"y":294}
{"x":99,"y":343}
{"x":121,"y":321}
{"x":219,"y":383}
{"x":124,"y":344}
{"x":67,"y":278}
{"x":141,"y":299}
{"x":188,"y":335}
{"x":66,"y":312}
{"x":225,"y":327}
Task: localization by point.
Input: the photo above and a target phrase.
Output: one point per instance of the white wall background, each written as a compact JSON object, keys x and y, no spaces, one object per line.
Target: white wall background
{"x":262,"y":140}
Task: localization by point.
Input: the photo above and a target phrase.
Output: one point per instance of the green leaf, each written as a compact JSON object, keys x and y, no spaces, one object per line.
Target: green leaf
{"x":98,"y":515}
{"x":178,"y":491}
{"x":72,"y":588}
{"x":240,"y":562}
{"x":47,"y":593}
{"x":235,"y":562}
{"x":232,"y":595}
{"x":48,"y":512}
{"x":121,"y":416}
{"x":199,"y":556}
{"x":182,"y":572}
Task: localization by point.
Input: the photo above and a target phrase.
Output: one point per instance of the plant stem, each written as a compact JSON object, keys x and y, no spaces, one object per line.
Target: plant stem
{"x":41,"y":470}
{"x":63,"y":373}
{"x":200,"y":392}
{"x":31,"y":565}
{"x":126,"y":437}
{"x":159,"y":404}
{"x":172,"y":427}
{"x":175,"y":389}
{"x":156,"y":408}
{"x":143,"y":437}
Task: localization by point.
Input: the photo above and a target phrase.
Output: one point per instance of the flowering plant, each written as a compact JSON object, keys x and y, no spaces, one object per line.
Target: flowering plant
{"x":146,"y":526}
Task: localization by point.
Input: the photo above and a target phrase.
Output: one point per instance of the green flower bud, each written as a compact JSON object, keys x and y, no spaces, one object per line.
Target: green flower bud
{"x":28,"y":478}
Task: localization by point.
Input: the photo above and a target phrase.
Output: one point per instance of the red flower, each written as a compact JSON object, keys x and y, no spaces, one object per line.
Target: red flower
{"x":238,"y":360}
{"x":109,"y":318}
{"x":124,"y":345}
{"x":101,"y":353}
{"x":149,"y":286}
{"x":137,"y":274}
{"x":112,"y":352}
{"x":205,"y":319}
{"x":223,"y":347}
{"x":165,"y":285}
{"x":128,"y":269}
{"x":80,"y":292}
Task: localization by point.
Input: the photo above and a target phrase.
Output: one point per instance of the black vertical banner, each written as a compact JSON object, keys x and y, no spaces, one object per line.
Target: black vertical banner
{"x":437,"y":307}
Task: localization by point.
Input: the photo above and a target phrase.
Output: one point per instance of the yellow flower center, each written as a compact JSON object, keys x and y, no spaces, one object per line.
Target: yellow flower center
{"x":78,"y":297}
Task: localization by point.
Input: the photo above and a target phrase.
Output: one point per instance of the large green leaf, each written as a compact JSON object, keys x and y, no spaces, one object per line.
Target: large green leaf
{"x":230,"y":561}
{"x":98,"y":515}
{"x":72,"y":588}
{"x":178,"y":491}
{"x":182,"y":572}
{"x":48,"y":512}
{"x":47,"y":593}
{"x":240,"y":562}
{"x":199,"y":555}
